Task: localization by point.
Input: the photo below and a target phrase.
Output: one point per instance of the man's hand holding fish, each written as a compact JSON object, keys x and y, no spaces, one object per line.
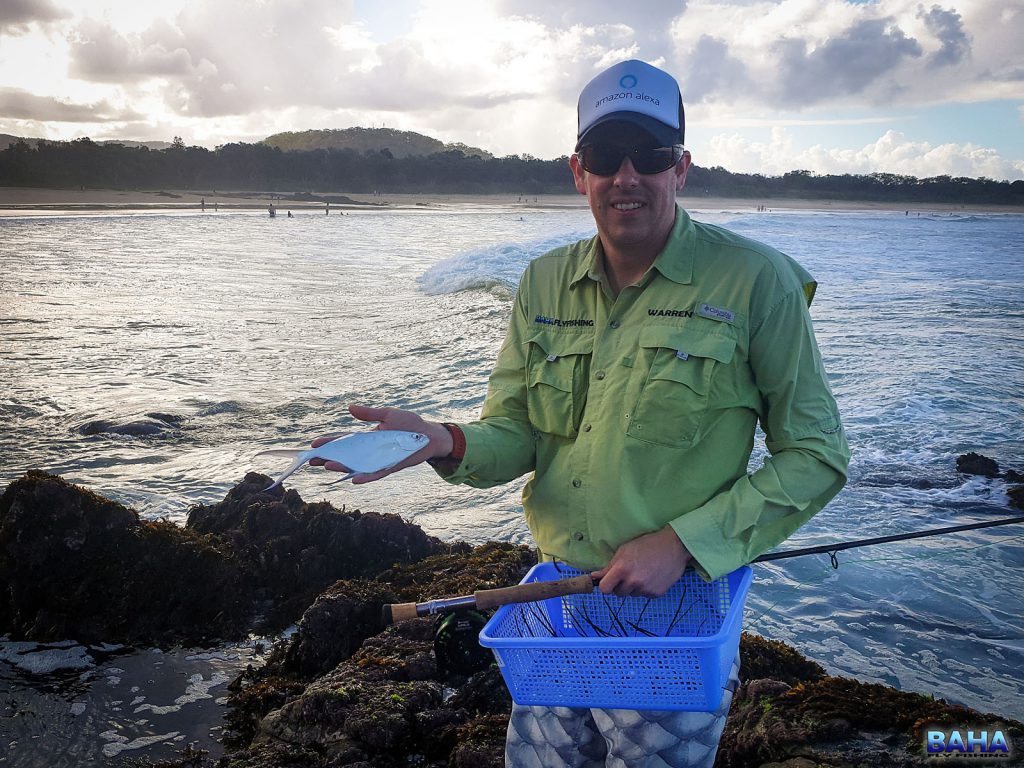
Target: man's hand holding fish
{"x":440,"y":440}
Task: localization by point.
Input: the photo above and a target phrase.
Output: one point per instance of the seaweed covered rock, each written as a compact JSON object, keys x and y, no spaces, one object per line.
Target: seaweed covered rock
{"x":385,"y":706}
{"x":341,"y":638}
{"x":764,"y":659}
{"x":348,"y":612}
{"x":298,"y":549}
{"x":838,"y":721}
{"x":481,"y":743}
{"x":381,"y":706}
{"x":334,"y":627}
{"x":77,"y":565}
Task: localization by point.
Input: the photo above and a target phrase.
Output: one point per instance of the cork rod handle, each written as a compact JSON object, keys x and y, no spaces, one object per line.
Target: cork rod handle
{"x":535,"y":590}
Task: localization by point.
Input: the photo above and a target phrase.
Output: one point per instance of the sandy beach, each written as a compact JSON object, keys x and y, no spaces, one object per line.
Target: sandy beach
{"x":21,"y":201}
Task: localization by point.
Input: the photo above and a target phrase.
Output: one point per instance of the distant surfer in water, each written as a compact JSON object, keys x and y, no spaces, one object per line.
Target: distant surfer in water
{"x":635,"y":369}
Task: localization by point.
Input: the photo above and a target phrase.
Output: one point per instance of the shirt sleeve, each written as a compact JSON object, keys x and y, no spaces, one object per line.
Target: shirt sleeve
{"x":804,"y":434}
{"x":501,"y":445}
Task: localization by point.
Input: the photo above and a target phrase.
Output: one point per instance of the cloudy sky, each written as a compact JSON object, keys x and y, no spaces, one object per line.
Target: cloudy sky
{"x":833,"y":86}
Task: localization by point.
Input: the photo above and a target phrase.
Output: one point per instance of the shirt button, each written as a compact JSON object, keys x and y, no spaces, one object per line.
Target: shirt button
{"x":577,"y":483}
{"x":613,"y":324}
{"x":578,"y":535}
{"x":599,"y":375}
{"x":587,"y":427}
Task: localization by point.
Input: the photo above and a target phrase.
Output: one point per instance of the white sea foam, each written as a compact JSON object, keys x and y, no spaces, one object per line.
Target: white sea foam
{"x":45,"y":659}
{"x":496,"y":266}
{"x":198,"y":688}
{"x":121,"y":744}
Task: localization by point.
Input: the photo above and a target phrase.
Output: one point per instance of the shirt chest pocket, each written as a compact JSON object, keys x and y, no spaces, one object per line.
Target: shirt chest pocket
{"x":557,"y":370}
{"x":675,"y":394}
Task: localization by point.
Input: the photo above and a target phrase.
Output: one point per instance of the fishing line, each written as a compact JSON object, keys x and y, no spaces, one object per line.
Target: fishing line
{"x":902,"y":558}
{"x":930,"y":555}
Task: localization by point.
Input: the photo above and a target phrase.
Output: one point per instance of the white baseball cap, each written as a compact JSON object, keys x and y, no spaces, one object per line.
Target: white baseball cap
{"x":633,"y":92}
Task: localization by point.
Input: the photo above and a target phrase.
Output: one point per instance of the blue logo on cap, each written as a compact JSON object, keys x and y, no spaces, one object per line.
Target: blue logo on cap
{"x":628,"y":81}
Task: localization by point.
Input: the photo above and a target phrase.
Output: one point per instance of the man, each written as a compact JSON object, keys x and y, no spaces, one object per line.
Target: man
{"x":634,"y":371}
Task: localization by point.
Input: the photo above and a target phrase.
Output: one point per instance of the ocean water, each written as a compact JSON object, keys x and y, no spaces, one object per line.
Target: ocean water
{"x":256,"y":333}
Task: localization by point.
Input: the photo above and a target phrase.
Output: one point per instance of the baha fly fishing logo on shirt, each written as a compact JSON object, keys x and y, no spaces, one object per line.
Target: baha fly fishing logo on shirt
{"x":560,"y":323}
{"x":974,"y":743}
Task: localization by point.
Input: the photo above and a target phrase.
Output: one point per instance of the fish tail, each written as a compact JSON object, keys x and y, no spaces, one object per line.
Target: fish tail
{"x":299,"y":456}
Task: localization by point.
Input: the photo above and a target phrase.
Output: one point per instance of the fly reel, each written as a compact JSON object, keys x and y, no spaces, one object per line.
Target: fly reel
{"x":457,"y":644}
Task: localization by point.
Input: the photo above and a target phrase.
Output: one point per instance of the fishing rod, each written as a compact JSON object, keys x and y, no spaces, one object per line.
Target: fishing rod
{"x":491,"y":598}
{"x":832,"y":549}
{"x":541,"y":590}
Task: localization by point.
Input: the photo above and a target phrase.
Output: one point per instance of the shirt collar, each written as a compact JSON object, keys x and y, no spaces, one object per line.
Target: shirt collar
{"x":590,"y":264}
{"x":676,"y":259}
{"x":674,"y":262}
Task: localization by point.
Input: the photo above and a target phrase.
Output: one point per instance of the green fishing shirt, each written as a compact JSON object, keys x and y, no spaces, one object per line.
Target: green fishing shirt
{"x":637,"y":411}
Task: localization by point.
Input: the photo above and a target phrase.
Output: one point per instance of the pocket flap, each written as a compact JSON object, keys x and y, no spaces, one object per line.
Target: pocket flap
{"x":717,"y":346}
{"x":553,"y":358}
{"x":560,"y":344}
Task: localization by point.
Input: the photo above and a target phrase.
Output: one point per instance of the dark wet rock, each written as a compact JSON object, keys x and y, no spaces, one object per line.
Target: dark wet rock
{"x":976,"y":464}
{"x":1013,"y":476}
{"x":167,"y":418}
{"x":906,"y":481}
{"x":1016,"y":494}
{"x":77,"y":565}
{"x":298,"y":549}
{"x":137,"y":428}
{"x":155,"y":423}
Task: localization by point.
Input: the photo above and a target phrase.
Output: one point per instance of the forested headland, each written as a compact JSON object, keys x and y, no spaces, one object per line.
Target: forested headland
{"x":83,"y":163}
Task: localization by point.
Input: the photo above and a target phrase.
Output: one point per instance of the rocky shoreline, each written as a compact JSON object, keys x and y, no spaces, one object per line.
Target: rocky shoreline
{"x":345,"y":690}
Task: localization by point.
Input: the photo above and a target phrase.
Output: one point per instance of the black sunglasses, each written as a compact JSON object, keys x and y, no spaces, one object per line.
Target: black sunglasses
{"x":606,"y":159}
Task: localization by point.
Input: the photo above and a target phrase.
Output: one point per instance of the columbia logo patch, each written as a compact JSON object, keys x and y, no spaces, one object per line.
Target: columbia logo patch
{"x":716,"y":313}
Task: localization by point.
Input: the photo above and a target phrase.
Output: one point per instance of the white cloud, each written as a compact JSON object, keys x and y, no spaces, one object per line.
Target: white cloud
{"x":892,"y":152}
{"x":810,"y":52}
{"x":505,"y":74}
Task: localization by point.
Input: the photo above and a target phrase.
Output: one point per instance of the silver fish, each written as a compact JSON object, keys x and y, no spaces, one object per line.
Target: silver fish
{"x":361,"y":452}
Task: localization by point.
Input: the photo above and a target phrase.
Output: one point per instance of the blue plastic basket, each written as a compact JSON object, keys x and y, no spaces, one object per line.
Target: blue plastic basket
{"x":674,"y":652}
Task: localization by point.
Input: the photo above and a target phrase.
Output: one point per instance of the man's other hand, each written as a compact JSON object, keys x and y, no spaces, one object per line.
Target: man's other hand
{"x":645,"y":566}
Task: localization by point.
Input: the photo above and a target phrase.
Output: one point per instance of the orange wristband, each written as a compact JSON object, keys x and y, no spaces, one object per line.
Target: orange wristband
{"x":452,"y":460}
{"x":458,"y":441}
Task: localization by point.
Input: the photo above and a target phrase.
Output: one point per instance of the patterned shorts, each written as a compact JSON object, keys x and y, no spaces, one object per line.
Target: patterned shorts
{"x":550,"y":737}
